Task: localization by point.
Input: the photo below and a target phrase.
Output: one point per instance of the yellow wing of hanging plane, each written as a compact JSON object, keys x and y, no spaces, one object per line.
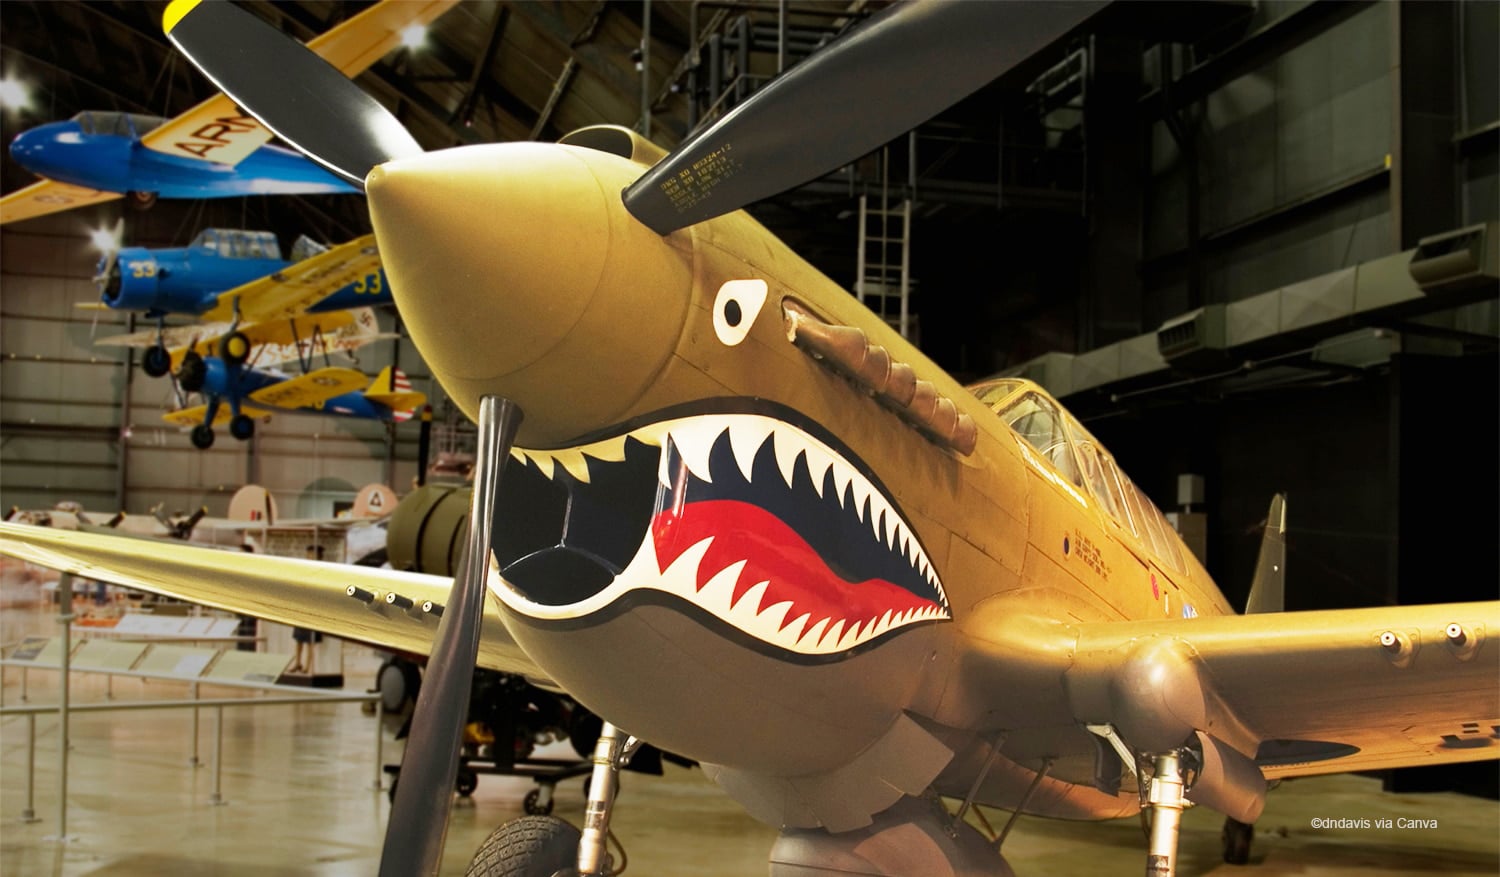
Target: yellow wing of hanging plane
{"x":291,"y":291}
{"x":48,"y":196}
{"x":281,"y":589}
{"x":272,"y":343}
{"x":193,"y":416}
{"x":216,"y":130}
{"x":310,"y":390}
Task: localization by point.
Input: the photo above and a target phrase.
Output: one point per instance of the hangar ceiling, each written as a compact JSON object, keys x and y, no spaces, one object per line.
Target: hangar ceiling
{"x":1050,"y":206}
{"x":493,"y":71}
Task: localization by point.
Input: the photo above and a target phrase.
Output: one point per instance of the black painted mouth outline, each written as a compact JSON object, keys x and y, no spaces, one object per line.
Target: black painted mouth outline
{"x":577,"y":530}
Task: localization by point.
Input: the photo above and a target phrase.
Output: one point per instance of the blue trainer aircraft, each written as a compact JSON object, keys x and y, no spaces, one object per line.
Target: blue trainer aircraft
{"x":211,"y":151}
{"x":105,"y":151}
{"x":238,"y":279}
{"x":239,"y":396}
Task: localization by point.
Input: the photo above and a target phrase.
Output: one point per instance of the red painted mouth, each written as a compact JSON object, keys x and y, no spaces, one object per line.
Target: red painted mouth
{"x":775,"y":553}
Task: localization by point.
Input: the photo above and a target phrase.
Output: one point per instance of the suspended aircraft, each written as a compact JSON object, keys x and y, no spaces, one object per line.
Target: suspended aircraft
{"x":239,"y":396}
{"x":764,"y":531}
{"x":212,"y":151}
{"x":236,"y":281}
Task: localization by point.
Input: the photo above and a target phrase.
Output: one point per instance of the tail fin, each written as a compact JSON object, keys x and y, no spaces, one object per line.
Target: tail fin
{"x":1268,"y":588}
{"x":392,"y":389}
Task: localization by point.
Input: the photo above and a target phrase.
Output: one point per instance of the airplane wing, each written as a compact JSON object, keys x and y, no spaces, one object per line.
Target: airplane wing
{"x":291,"y":291}
{"x":194,"y":415}
{"x":272,"y":343}
{"x":311,"y":389}
{"x":281,"y":589}
{"x":48,"y":196}
{"x":216,"y":130}
{"x":1304,"y":692}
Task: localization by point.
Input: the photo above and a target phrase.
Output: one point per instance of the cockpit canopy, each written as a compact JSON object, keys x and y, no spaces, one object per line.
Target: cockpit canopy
{"x":233,"y":243}
{"x":121,"y":124}
{"x":1079,"y":458}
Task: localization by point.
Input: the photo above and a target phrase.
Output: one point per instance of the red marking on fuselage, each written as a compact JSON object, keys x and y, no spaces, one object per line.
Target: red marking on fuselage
{"x":773,"y":552}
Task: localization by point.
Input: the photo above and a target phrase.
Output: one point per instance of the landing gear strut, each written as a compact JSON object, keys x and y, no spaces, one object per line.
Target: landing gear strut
{"x":1166,"y":803}
{"x":613,"y":751}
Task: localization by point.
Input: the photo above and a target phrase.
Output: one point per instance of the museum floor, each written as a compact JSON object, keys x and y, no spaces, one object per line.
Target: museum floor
{"x":298,"y":781}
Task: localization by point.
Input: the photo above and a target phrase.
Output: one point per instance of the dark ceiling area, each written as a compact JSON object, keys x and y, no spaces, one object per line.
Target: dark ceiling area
{"x":999,"y":179}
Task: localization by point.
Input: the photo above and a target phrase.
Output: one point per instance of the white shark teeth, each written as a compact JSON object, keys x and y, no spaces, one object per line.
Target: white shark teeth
{"x":781,"y":623}
{"x":813,"y":634}
{"x":694,"y":439}
{"x":787,"y":453}
{"x":746,"y":438}
{"x":572,"y":460}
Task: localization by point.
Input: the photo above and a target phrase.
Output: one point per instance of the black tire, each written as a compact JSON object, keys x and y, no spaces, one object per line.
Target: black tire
{"x":140,"y":200}
{"x":531,"y":846}
{"x":203,"y":436}
{"x":399,"y":681}
{"x":466,"y":782}
{"x":1237,"y":837}
{"x":241,"y":427}
{"x":584,"y":729}
{"x":193,"y":372}
{"x":234,"y":348}
{"x":156,"y":361}
{"x":533,"y":805}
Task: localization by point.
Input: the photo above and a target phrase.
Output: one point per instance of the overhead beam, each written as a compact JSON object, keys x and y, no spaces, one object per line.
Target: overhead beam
{"x":1250,"y":54}
{"x":465,"y":109}
{"x":547,"y":18}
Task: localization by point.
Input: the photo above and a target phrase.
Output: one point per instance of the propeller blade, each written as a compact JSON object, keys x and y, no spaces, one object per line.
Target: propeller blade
{"x":918,"y":56}
{"x":301,"y":98}
{"x":419,"y":815}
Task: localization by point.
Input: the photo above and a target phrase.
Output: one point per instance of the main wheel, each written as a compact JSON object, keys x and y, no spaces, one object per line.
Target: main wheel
{"x":1237,"y":837}
{"x":399,"y":681}
{"x":531,"y":846}
{"x":234,"y":348}
{"x":156,"y":361}
{"x":203,"y":436}
{"x":466,"y":781}
{"x":193,"y":372}
{"x":532,"y":803}
{"x":140,"y":200}
{"x":241,"y":427}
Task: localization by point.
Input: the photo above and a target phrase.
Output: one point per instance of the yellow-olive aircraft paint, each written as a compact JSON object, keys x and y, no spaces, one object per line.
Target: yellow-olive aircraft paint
{"x":748,"y":522}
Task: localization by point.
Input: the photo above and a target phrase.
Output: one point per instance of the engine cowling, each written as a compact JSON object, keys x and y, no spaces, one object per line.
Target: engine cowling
{"x":426,"y":531}
{"x":136,"y":280}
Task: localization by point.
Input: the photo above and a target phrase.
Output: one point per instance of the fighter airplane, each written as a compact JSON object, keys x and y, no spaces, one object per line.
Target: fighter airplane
{"x":212,"y":151}
{"x":762,"y":530}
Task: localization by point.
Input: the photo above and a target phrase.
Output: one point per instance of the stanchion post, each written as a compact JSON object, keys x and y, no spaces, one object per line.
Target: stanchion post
{"x":379,"y":741}
{"x":193,"y":759}
{"x":29,"y":814}
{"x":216,"y":798}
{"x":65,"y":616}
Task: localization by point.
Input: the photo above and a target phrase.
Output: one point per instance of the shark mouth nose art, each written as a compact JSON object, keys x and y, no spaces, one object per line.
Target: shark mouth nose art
{"x":745,"y":518}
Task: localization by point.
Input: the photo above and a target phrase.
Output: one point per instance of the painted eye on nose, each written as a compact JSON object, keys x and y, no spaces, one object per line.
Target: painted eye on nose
{"x":736,"y":307}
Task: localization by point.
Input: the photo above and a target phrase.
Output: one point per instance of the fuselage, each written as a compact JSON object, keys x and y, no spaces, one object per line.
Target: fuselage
{"x":742,"y":544}
{"x":189,"y":280}
{"x":103,"y":151}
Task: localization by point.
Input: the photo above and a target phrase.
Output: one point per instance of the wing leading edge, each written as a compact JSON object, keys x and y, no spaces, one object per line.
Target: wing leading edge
{"x":1300,"y":693}
{"x":285,"y":590}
